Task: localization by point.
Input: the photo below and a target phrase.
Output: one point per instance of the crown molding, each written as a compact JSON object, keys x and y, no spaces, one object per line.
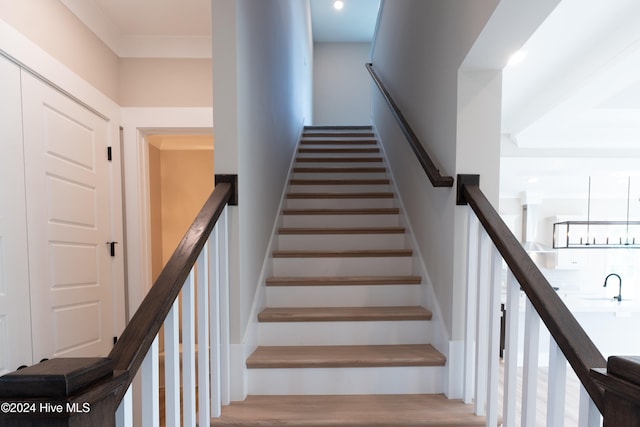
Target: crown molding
{"x":133,"y":46}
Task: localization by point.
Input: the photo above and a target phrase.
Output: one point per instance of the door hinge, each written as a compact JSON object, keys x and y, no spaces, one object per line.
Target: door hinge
{"x":109,"y":154}
{"x":112,"y":247}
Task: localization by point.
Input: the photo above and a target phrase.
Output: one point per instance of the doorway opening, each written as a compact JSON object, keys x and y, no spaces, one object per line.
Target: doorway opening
{"x":181,"y":178}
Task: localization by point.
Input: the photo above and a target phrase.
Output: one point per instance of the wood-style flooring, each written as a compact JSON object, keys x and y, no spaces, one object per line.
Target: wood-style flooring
{"x":352,"y":356}
{"x":351,"y":410}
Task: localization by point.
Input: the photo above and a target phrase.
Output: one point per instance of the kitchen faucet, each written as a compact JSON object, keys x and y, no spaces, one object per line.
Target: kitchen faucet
{"x":619,"y":296}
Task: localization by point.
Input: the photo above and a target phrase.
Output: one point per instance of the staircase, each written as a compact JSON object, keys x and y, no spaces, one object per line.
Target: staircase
{"x":344,"y":340}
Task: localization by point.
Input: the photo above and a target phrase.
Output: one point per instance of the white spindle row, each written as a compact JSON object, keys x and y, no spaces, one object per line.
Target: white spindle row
{"x":204,"y":308}
{"x":482,"y":338}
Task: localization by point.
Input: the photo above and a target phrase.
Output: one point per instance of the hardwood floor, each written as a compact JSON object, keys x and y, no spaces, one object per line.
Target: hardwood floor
{"x":572,"y":397}
{"x":351,"y":410}
{"x":345,"y":356}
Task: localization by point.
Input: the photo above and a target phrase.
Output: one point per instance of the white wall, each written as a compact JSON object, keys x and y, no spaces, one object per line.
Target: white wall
{"x":262,"y":58}
{"x":419,"y":49}
{"x":341,"y":84}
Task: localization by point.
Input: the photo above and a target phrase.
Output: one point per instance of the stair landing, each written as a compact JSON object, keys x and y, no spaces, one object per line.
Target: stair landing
{"x":407,"y":410}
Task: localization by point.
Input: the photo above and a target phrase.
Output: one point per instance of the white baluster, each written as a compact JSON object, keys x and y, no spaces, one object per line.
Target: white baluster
{"x":557,"y":385}
{"x":589,"y":416}
{"x":471,"y":304}
{"x":202,"y":269}
{"x":172,"y":366}
{"x":530,"y":370}
{"x":124,"y":412}
{"x":214,"y":332}
{"x":150,"y":387}
{"x":512,"y":316}
{"x":494,"y":338}
{"x":188,"y":353}
{"x":482,"y":325}
{"x":225,"y":334}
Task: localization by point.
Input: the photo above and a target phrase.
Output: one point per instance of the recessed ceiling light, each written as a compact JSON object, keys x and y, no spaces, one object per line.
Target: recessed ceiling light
{"x":517,"y":58}
{"x":338,"y":5}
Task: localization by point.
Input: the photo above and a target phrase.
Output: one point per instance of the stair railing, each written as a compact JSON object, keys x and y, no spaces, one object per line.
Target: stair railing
{"x":98,"y":391}
{"x":427,"y":163}
{"x":609,"y":388}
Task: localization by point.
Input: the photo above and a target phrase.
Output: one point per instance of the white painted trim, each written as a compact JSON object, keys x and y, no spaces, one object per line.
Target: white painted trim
{"x":15,"y":46}
{"x":137,"y":46}
{"x":29,"y":56}
{"x":198,"y":47}
{"x":150,"y":380}
{"x":137,"y":123}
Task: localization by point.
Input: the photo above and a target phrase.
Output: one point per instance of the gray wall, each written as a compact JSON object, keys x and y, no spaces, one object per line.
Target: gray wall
{"x":419,"y":49}
{"x":341,"y":84}
{"x":270,"y":66}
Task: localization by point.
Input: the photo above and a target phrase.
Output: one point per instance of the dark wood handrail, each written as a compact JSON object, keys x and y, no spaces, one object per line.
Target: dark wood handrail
{"x":580,"y":351}
{"x":430,"y":168}
{"x":134,"y":343}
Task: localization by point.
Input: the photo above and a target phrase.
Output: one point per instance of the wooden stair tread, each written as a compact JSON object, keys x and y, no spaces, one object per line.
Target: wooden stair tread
{"x":344,"y":281}
{"x":339,"y":170}
{"x":338,"y":134}
{"x":345,"y":356}
{"x":337,"y":127}
{"x":363,"y":211}
{"x":342,"y":314}
{"x":342,"y":230}
{"x":364,"y":195}
{"x":407,"y":410}
{"x":339,"y":182}
{"x":338,"y":150}
{"x":357,"y":253}
{"x":339,"y":159}
{"x":314,"y":141}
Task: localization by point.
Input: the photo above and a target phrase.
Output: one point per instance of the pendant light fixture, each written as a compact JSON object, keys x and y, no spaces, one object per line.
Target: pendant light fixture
{"x":598,"y":234}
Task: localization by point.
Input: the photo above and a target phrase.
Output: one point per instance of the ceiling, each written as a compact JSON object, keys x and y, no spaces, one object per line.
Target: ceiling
{"x":182,"y":28}
{"x":571,"y":109}
{"x":354,"y":23}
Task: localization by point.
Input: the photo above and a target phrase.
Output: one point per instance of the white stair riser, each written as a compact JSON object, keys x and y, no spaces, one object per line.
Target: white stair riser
{"x":341,"y":241}
{"x":370,"y":266}
{"x":340,"y":175}
{"x":345,"y":333}
{"x":396,"y":380}
{"x":339,"y":203}
{"x":317,"y":221}
{"x":347,"y":188}
{"x":343,"y":296}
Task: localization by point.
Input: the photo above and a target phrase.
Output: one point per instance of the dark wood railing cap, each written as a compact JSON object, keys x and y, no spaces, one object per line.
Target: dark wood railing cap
{"x":621,"y":382}
{"x":55,"y":378}
{"x":627,"y":367}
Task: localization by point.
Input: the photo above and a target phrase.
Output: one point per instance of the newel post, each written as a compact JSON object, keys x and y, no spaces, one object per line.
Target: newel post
{"x":61,"y":392}
{"x":621,"y":382}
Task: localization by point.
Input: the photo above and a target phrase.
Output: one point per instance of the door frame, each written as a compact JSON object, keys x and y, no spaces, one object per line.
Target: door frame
{"x":137,"y":123}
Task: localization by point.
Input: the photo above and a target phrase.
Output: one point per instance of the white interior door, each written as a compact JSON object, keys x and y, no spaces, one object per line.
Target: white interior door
{"x":15,"y":320}
{"x":68,"y":218}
